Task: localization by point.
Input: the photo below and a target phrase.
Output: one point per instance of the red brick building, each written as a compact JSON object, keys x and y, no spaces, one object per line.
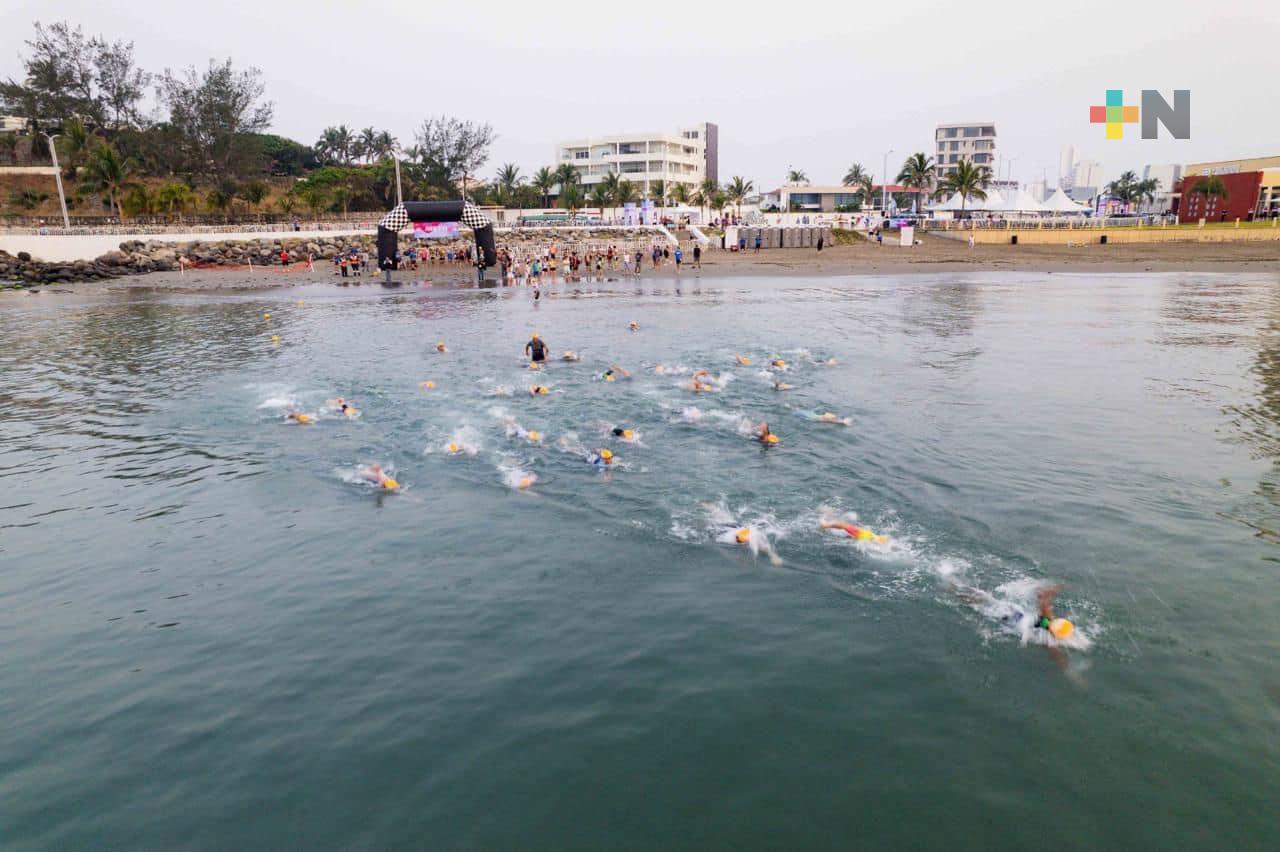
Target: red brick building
{"x":1241,"y":199}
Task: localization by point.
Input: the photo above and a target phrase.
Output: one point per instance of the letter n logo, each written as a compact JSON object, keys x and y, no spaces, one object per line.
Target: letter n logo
{"x":1176,"y":119}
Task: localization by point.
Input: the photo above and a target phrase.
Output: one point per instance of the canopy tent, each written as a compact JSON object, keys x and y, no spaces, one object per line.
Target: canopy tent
{"x":1059,"y":203}
{"x":1021,"y":203}
{"x":973,"y":203}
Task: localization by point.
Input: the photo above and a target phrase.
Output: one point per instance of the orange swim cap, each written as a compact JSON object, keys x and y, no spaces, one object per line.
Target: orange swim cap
{"x":607,"y":455}
{"x":1061,"y":628}
{"x":275,"y":338}
{"x":742,"y":535}
{"x":771,"y":438}
{"x":627,"y":433}
{"x":453,"y":448}
{"x":390,"y":484}
{"x":266,"y":316}
{"x":534,"y":436}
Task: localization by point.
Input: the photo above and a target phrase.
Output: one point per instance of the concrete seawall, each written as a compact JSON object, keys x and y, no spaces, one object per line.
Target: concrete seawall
{"x":90,"y":246}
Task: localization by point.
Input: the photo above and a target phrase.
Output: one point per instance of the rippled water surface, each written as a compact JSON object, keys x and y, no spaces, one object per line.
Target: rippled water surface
{"x":215,"y":634}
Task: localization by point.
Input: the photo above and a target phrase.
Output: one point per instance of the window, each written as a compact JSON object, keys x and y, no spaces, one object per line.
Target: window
{"x":582,"y":155}
{"x":950,"y":132}
{"x":970,"y":132}
{"x":955,"y":146}
{"x":982,"y":158}
{"x":988,"y":131}
{"x":954,"y":158}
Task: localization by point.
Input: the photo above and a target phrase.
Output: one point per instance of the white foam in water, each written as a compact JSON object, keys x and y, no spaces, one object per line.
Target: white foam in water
{"x":692,"y":414}
{"x":461,"y":441}
{"x":514,"y":475}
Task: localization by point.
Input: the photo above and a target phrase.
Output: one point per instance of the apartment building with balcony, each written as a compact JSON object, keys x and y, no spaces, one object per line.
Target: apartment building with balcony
{"x":973,"y":142}
{"x":685,"y":156}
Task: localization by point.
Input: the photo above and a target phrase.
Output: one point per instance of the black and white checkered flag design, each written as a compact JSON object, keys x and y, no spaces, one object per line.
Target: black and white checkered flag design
{"x":472,"y":217}
{"x":396,"y":219}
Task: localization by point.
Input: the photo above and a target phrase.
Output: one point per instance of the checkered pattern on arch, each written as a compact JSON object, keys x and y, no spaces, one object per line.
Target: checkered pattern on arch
{"x":472,"y":217}
{"x":398,"y":217}
{"x":395,"y":219}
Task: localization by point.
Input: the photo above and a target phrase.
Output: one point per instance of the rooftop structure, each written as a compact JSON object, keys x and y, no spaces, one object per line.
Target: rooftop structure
{"x":685,"y":156}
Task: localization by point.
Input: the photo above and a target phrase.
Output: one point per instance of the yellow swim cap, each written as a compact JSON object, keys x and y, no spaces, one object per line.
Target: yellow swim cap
{"x":390,"y":484}
{"x":526,"y":482}
{"x":453,"y":448}
{"x":771,"y":438}
{"x":627,"y":433}
{"x":1061,"y":628}
{"x":440,"y":347}
{"x":606,"y":454}
{"x":275,"y":338}
{"x":534,"y":436}
{"x":266,"y":316}
{"x":535,"y":335}
{"x":303,"y":418}
{"x":608,"y":377}
{"x":744,"y":360}
{"x":742,"y":535}
{"x":533,"y":365}
{"x":350,"y":412}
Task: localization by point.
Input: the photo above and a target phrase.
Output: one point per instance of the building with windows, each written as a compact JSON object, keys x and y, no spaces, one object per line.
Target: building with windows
{"x":686,"y":156}
{"x":1169,"y":175}
{"x":1252,"y":188}
{"x":810,"y":198}
{"x":957,"y":143}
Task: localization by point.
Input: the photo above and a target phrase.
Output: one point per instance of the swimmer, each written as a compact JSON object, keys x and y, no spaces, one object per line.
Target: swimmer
{"x":752,"y":538}
{"x":299,"y":417}
{"x":536,"y":348}
{"x":700,"y":382}
{"x":452,"y":448}
{"x":427,"y":385}
{"x":825,"y":417}
{"x":601,"y":458}
{"x":743,"y":360}
{"x":854,"y":532}
{"x":763,"y":435}
{"x":778,"y":364}
{"x":1045,"y":623}
{"x":570,"y":355}
{"x":660,"y":370}
{"x":783,"y":386}
{"x":534,"y":365}
{"x":633,"y":325}
{"x":613,"y":372}
{"x":343,"y":406}
{"x":375,"y":474}
{"x":440,"y":347}
{"x":624,"y":434}
{"x":1059,"y":628}
{"x":539,"y":390}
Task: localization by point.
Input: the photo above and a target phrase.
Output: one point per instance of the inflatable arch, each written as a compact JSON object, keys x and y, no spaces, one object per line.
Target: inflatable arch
{"x":434,"y":211}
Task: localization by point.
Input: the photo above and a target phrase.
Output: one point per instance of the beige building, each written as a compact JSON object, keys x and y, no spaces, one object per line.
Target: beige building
{"x":685,"y":156}
{"x":973,"y":142}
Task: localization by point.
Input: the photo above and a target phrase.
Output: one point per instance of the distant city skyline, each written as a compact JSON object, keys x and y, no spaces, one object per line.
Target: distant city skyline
{"x":813,"y":104}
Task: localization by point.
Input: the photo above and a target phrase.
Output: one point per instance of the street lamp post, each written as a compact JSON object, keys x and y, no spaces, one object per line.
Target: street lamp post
{"x":884,"y":187}
{"x":57,"y":173}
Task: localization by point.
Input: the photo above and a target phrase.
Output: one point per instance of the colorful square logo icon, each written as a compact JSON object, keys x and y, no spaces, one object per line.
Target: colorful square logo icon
{"x":1114,"y":114}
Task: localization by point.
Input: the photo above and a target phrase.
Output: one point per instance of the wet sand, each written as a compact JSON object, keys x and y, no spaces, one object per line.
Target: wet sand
{"x":931,"y":256}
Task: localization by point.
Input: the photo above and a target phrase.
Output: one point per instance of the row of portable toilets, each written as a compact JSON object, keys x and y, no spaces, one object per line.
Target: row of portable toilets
{"x":804,"y":236}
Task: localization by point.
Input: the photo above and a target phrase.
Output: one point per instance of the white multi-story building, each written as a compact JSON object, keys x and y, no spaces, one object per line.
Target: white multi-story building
{"x":1086,"y":180}
{"x":686,"y":156}
{"x":972,"y":142}
{"x":1067,"y":167}
{"x":1169,"y":175}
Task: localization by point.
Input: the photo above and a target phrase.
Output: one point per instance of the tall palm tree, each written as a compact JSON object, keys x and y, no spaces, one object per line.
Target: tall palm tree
{"x":567,"y":175}
{"x":679,"y":194}
{"x":969,"y":180}
{"x":599,"y":197}
{"x":367,"y":143}
{"x":868,"y":189}
{"x":739,"y":188}
{"x":658,"y":192}
{"x":918,"y":173}
{"x":108,"y":172}
{"x":856,"y":176}
{"x":797,"y":176}
{"x":545,"y":180}
{"x":570,"y":197}
{"x":625,"y":194}
{"x":77,"y":141}
{"x":508,"y":176}
{"x":707,"y":189}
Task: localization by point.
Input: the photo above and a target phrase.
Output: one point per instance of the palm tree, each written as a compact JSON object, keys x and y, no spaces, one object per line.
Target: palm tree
{"x":570,"y":197}
{"x":108,"y":172}
{"x":526,"y":196}
{"x":719,"y":201}
{"x":625,"y":194}
{"x":367,"y":143}
{"x":1146,"y":189}
{"x":175,"y":197}
{"x":679,"y":194}
{"x":138,"y":201}
{"x":611,"y":183}
{"x":868,"y":189}
{"x":508,"y":177}
{"x":77,"y":141}
{"x":797,"y":176}
{"x":738,"y":189}
{"x":544,"y":179}
{"x":219,"y":200}
{"x":384,"y":145}
{"x":856,"y":176}
{"x":658,"y":192}
{"x":918,"y":173}
{"x":600,"y":197}
{"x":1211,"y":187}
{"x":287,"y":202}
{"x":969,"y":180}
{"x":567,"y":175}
{"x":707,"y":189}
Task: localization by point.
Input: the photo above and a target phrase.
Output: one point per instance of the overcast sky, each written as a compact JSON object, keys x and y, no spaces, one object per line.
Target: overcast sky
{"x":811,"y":85}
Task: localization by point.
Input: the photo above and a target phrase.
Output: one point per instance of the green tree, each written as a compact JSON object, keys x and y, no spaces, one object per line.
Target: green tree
{"x":138,"y":201}
{"x":121,"y":83}
{"x":566,"y":175}
{"x":213,"y":112}
{"x":739,"y":188}
{"x":175,"y":198}
{"x":797,"y":176}
{"x":75,"y":143}
{"x":707,"y":191}
{"x":366,"y":145}
{"x":856,"y":176}
{"x":108,"y":173}
{"x":918,"y":173}
{"x":253,"y":193}
{"x":454,"y":150}
{"x":658,"y":192}
{"x":59,"y":79}
{"x":600,"y":197}
{"x":679,"y":194}
{"x":969,"y":180}
{"x":545,"y":180}
{"x":334,"y":147}
{"x":526,"y":196}
{"x":570,"y":196}
{"x":219,"y":200}
{"x":509,"y":177}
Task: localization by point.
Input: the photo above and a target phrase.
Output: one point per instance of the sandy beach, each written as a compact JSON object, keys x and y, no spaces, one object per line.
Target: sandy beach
{"x":931,"y":256}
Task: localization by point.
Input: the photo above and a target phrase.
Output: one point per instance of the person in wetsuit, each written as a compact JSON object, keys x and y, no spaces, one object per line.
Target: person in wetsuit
{"x":536,"y":349}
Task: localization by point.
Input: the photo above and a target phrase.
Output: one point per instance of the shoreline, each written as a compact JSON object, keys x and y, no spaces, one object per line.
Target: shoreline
{"x":931,"y":257}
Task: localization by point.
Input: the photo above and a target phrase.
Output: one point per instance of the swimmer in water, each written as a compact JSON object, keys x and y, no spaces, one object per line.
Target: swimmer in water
{"x":570,"y":355}
{"x":427,"y":385}
{"x":752,"y":538}
{"x":764,"y":436}
{"x":343,"y":406}
{"x":633,"y":325}
{"x":1059,"y":628}
{"x":624,"y":434}
{"x":613,"y":372}
{"x":299,"y":417}
{"x":778,"y":364}
{"x":743,"y":360}
{"x":539,"y":390}
{"x":440,"y":347}
{"x":854,"y":532}
{"x":375,"y":474}
{"x":783,"y":386}
{"x":536,"y":349}
{"x":700,"y":382}
{"x":825,"y":417}
{"x":601,"y":458}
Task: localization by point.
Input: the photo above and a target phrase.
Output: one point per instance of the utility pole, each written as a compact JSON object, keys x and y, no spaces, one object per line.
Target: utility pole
{"x":884,"y":187}
{"x":57,"y":173}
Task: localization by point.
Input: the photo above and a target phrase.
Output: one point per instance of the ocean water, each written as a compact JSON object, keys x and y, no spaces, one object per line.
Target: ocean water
{"x":217,"y":634}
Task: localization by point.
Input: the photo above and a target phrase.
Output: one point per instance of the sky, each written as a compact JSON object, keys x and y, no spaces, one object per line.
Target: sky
{"x":815,"y":86}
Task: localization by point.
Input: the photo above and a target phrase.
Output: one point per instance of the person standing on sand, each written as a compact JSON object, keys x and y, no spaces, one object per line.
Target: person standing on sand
{"x":697,"y":256}
{"x":757,"y":243}
{"x":819,"y":242}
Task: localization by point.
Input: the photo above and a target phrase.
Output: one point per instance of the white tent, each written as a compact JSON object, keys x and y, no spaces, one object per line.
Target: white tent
{"x":1059,"y":203}
{"x":1022,"y":203}
{"x":952,"y":203}
{"x":955,"y":201}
